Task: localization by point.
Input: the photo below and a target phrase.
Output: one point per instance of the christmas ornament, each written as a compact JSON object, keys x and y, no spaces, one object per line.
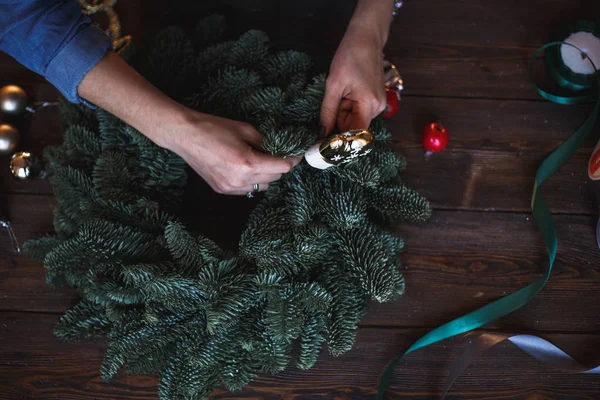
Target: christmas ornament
{"x":24,"y":166}
{"x":435,"y":137}
{"x":392,"y":104}
{"x":13,"y":100}
{"x":393,"y":86}
{"x":392,"y":78}
{"x":340,"y":149}
{"x":598,"y":233}
{"x":594,"y":163}
{"x":9,"y":139}
{"x":316,"y":250}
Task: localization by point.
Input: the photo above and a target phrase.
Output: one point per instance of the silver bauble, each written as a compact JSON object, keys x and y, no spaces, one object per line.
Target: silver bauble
{"x":13,"y":100}
{"x":24,"y":166}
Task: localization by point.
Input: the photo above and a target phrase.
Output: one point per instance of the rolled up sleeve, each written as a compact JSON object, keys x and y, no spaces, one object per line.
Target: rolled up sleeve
{"x":54,"y":39}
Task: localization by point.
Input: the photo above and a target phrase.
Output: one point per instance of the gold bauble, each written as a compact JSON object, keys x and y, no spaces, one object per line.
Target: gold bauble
{"x":13,"y":100}
{"x":9,"y":139}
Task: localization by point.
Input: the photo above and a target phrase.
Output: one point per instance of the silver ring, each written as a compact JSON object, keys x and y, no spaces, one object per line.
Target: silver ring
{"x":255,"y":188}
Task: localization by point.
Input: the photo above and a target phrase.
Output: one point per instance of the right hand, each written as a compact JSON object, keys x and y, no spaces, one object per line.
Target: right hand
{"x":226,"y":153}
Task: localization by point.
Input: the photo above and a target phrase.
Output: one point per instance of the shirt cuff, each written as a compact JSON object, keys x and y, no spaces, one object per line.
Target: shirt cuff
{"x":75,"y":59}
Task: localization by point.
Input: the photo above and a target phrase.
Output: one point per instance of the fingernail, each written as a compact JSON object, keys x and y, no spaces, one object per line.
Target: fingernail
{"x":321,"y":130}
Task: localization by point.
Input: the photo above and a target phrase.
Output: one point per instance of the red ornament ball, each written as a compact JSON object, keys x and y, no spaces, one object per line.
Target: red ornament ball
{"x":392,"y":104}
{"x":435,"y":137}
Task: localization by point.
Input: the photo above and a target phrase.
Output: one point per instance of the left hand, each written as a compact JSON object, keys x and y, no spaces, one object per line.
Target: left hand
{"x":355,"y":90}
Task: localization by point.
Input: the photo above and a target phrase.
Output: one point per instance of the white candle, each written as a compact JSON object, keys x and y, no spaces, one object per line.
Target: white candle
{"x":572,"y":58}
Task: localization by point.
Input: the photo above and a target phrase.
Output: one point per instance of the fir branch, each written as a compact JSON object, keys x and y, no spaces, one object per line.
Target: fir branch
{"x":209,"y":31}
{"x":249,"y":50}
{"x":280,"y":67}
{"x":311,"y":340}
{"x":84,"y":321}
{"x":399,"y":203}
{"x":172,"y":51}
{"x":37,"y":249}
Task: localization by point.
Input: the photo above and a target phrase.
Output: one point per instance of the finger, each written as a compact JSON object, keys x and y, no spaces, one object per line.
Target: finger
{"x":344,"y":117}
{"x":269,"y":177}
{"x":330,"y":105}
{"x":268,"y":164}
{"x":346,"y":106}
{"x":266,"y":177}
{"x":362,"y":115}
{"x":294,"y":160}
{"x":253,"y":137}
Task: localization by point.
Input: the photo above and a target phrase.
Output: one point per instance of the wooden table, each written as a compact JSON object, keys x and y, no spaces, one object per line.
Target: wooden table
{"x":464,"y":61}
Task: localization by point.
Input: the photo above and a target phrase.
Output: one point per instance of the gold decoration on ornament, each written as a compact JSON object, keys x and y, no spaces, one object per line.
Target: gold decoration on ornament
{"x":341,"y":148}
{"x":344,"y":147}
{"x":90,"y":7}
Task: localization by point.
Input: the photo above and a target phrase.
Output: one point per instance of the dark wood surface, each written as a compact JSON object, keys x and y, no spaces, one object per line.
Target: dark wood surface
{"x":463,"y":61}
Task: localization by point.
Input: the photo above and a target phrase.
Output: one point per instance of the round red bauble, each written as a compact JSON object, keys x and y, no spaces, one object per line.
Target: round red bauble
{"x":392,"y":104}
{"x":435,"y":137}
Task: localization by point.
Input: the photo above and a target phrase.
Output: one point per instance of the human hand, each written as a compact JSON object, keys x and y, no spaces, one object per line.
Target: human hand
{"x":355,"y":90}
{"x":225,"y":153}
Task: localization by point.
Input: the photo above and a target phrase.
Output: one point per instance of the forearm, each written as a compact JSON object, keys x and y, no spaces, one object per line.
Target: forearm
{"x":373,"y":16}
{"x":116,"y":87}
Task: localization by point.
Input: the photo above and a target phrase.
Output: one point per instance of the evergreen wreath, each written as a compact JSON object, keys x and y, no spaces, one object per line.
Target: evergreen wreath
{"x":174,"y":303}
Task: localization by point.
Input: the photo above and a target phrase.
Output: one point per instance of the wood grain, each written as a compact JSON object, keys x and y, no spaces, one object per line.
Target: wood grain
{"x":35,"y":365}
{"x":464,"y":260}
{"x":466,"y":49}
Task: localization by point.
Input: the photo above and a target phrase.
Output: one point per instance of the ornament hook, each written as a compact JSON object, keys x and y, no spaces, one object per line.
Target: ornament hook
{"x":11,"y":234}
{"x":38,"y":106}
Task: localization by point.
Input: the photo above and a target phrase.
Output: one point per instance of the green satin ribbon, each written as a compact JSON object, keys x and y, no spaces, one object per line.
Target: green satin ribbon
{"x":541,"y":214}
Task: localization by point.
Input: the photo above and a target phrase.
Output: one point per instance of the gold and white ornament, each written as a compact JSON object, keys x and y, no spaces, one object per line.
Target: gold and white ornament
{"x":13,"y":100}
{"x":340,"y":149}
{"x":9,"y":139}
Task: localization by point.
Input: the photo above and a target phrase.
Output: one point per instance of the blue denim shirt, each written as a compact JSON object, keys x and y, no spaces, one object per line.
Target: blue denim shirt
{"x":54,"y":39}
